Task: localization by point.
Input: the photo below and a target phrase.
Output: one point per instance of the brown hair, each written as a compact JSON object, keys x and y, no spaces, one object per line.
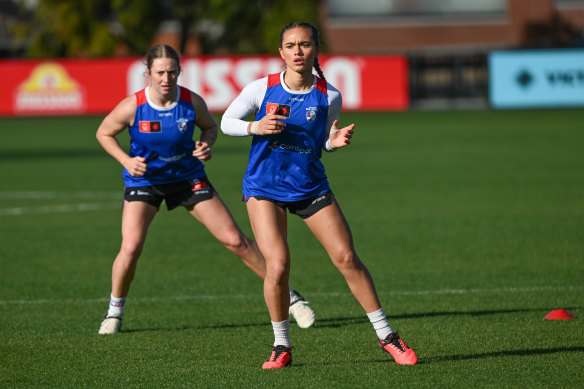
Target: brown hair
{"x":315,"y":39}
{"x":162,"y":51}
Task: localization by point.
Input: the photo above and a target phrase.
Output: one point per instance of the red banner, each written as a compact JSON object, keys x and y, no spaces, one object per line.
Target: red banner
{"x":77,"y":87}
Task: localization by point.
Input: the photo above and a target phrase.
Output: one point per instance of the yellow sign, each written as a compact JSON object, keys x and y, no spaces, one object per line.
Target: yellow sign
{"x":49,"y":89}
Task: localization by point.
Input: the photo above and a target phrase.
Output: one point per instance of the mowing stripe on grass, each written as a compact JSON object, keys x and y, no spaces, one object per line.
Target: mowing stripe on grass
{"x":321,"y":294}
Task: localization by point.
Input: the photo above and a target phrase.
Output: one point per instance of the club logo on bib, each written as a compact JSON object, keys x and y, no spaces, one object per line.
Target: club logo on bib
{"x":278,"y":109}
{"x":311,"y":113}
{"x":148,"y":126}
{"x":182,"y":124}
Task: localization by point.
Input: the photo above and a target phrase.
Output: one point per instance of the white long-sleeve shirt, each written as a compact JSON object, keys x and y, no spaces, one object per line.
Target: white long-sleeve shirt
{"x":250,"y":100}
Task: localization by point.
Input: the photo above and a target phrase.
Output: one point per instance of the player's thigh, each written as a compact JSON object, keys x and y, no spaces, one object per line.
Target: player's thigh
{"x":331,"y":229}
{"x":136,"y":218}
{"x":215,"y":216}
{"x":268,"y":223}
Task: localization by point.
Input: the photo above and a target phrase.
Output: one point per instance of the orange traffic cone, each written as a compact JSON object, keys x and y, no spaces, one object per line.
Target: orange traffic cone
{"x":559,"y":314}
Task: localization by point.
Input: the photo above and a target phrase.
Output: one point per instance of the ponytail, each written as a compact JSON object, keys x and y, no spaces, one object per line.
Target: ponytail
{"x":318,"y":69}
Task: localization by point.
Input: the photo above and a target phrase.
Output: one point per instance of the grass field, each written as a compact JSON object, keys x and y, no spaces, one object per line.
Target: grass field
{"x":472,"y":224}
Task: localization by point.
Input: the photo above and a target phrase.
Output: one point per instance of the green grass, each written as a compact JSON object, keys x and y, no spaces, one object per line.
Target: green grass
{"x":470,"y":222}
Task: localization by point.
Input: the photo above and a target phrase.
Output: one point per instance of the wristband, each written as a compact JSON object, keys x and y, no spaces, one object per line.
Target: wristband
{"x":328,"y":146}
{"x":252,"y":128}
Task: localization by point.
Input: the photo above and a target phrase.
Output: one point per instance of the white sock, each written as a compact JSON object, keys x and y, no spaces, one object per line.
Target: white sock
{"x":281,"y":333}
{"x":116,"y":306}
{"x":380,"y":323}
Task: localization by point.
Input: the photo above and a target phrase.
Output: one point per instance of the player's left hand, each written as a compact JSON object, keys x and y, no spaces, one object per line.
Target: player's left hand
{"x":202,"y":151}
{"x":341,"y":137}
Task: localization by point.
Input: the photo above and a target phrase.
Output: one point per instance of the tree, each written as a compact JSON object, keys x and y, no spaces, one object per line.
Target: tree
{"x":89,"y":28}
{"x":137,"y":22}
{"x":253,"y":26}
{"x":98,"y":28}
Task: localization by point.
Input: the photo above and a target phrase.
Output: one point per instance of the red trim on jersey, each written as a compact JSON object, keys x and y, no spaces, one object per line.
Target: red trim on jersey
{"x":273,"y":79}
{"x":185,"y":95}
{"x":321,"y":85}
{"x":141,"y":97}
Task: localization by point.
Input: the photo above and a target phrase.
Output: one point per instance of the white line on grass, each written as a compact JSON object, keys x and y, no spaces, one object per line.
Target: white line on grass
{"x":60,"y":208}
{"x":55,"y":195}
{"x":45,"y":194}
{"x":322,"y":294}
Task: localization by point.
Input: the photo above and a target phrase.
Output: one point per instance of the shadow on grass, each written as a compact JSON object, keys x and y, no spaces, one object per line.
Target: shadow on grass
{"x":344,"y":321}
{"x":203,"y":327}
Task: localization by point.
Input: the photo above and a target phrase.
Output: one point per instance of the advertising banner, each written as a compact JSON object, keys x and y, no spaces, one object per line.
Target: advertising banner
{"x":536,"y":79}
{"x":81,"y":87}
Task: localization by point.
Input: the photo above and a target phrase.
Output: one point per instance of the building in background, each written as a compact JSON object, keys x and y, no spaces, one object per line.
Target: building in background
{"x":406,"y":26}
{"x":447,"y":42}
{"x":431,"y":54}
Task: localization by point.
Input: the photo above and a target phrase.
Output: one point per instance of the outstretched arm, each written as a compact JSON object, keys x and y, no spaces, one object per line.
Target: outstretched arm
{"x":339,"y":137}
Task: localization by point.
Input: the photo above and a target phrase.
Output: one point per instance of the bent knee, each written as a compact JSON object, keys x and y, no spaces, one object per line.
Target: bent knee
{"x":346,"y":260}
{"x":236,"y":243}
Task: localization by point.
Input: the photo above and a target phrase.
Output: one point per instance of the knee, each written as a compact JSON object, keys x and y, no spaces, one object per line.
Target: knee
{"x":130,"y":251}
{"x":237,"y":243}
{"x":346,"y":260}
{"x":277,"y":273}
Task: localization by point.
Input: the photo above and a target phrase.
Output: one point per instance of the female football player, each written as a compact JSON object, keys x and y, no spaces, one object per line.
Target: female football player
{"x":296,"y":117}
{"x":165,"y":163}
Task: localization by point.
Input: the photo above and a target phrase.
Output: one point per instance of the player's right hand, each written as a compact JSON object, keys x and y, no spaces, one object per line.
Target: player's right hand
{"x":271,"y":124}
{"x":136,"y":166}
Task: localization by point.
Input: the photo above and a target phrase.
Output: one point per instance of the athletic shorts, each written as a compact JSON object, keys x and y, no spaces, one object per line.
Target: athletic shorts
{"x":183,"y":193}
{"x":303,"y":208}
